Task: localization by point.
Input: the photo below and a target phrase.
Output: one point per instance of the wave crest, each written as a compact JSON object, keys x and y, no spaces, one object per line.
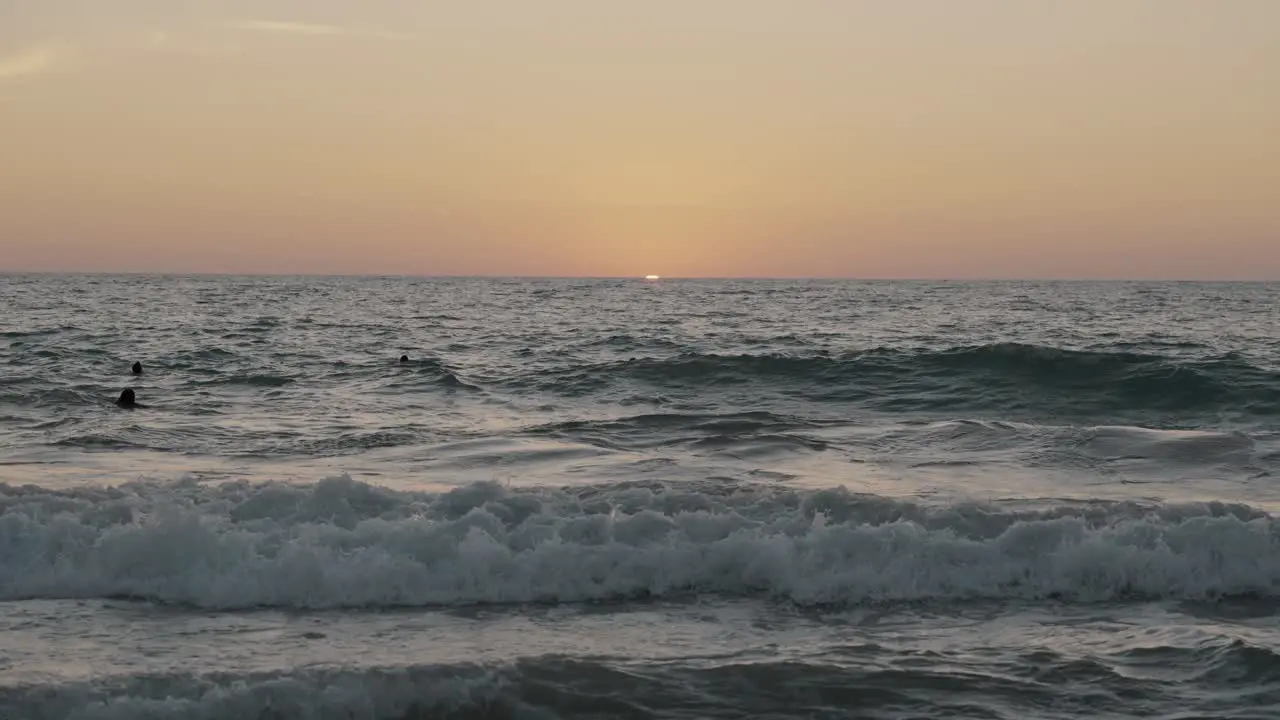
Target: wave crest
{"x":341,"y":543}
{"x":1003,"y":375}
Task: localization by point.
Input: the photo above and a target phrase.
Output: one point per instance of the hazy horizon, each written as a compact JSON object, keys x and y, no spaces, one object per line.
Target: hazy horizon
{"x":921,"y":140}
{"x":664,"y":278}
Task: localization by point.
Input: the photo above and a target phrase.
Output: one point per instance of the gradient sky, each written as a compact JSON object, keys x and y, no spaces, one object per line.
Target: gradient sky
{"x":903,"y":138}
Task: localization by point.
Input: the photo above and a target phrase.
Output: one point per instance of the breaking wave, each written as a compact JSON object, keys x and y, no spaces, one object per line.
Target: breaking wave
{"x":342,"y":543}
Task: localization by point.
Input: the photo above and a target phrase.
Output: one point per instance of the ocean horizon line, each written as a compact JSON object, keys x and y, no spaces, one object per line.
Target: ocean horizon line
{"x":643,"y":278}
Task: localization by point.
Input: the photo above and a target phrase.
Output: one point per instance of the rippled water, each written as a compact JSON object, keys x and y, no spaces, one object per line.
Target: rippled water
{"x":615,"y":498}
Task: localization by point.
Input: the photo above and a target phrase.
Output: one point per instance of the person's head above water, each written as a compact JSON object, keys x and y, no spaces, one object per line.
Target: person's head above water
{"x":137,"y":368}
{"x":128,"y":400}
{"x":404,"y":359}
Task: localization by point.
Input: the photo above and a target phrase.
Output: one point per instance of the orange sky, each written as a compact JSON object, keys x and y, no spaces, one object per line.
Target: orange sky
{"x":712,"y":138}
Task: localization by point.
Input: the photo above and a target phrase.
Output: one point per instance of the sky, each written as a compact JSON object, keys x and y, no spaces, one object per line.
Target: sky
{"x":721,"y":138}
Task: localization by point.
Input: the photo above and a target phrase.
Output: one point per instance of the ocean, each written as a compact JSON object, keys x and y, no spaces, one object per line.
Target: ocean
{"x":637,"y":499}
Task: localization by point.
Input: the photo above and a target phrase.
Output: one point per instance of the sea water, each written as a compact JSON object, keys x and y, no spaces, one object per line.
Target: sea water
{"x":633,"y":499}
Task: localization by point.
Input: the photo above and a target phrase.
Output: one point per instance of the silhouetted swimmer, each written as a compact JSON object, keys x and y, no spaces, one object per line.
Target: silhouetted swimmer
{"x":137,"y":368}
{"x":128,"y":400}
{"x":404,"y":359}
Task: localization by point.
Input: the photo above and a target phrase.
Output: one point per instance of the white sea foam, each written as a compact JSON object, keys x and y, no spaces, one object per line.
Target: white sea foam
{"x":341,"y":543}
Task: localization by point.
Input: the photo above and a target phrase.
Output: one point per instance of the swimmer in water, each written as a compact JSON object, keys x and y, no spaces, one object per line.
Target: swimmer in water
{"x":137,"y":368}
{"x":128,"y":400}
{"x":404,"y":359}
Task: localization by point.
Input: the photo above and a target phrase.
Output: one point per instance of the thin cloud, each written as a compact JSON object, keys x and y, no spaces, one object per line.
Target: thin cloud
{"x":31,"y":62}
{"x":289,"y":27}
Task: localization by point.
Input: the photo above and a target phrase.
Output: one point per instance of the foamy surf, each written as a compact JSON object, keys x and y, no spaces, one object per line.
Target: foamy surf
{"x":341,"y":543}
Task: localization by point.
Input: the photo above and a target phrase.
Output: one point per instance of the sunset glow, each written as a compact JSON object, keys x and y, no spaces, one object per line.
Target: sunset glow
{"x":924,"y":138}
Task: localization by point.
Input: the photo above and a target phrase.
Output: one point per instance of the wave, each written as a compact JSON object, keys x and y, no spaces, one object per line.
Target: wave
{"x":347,"y":443}
{"x":727,"y":422}
{"x":673,"y":429}
{"x":1174,"y":447}
{"x":925,"y":684}
{"x":36,"y":333}
{"x":1004,"y":375}
{"x":97,"y":441}
{"x":541,"y":687}
{"x":830,"y":680}
{"x":341,"y":543}
{"x":462,"y":691}
{"x":629,"y":341}
{"x":256,"y":380}
{"x":54,"y":397}
{"x":423,"y":374}
{"x":339,"y":442}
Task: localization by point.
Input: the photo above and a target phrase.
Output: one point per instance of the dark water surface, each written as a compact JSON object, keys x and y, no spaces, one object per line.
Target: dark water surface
{"x":617,"y":498}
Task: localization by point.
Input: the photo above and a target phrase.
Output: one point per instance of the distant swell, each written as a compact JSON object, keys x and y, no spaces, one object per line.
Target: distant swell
{"x":1004,"y":376}
{"x":342,"y":543}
